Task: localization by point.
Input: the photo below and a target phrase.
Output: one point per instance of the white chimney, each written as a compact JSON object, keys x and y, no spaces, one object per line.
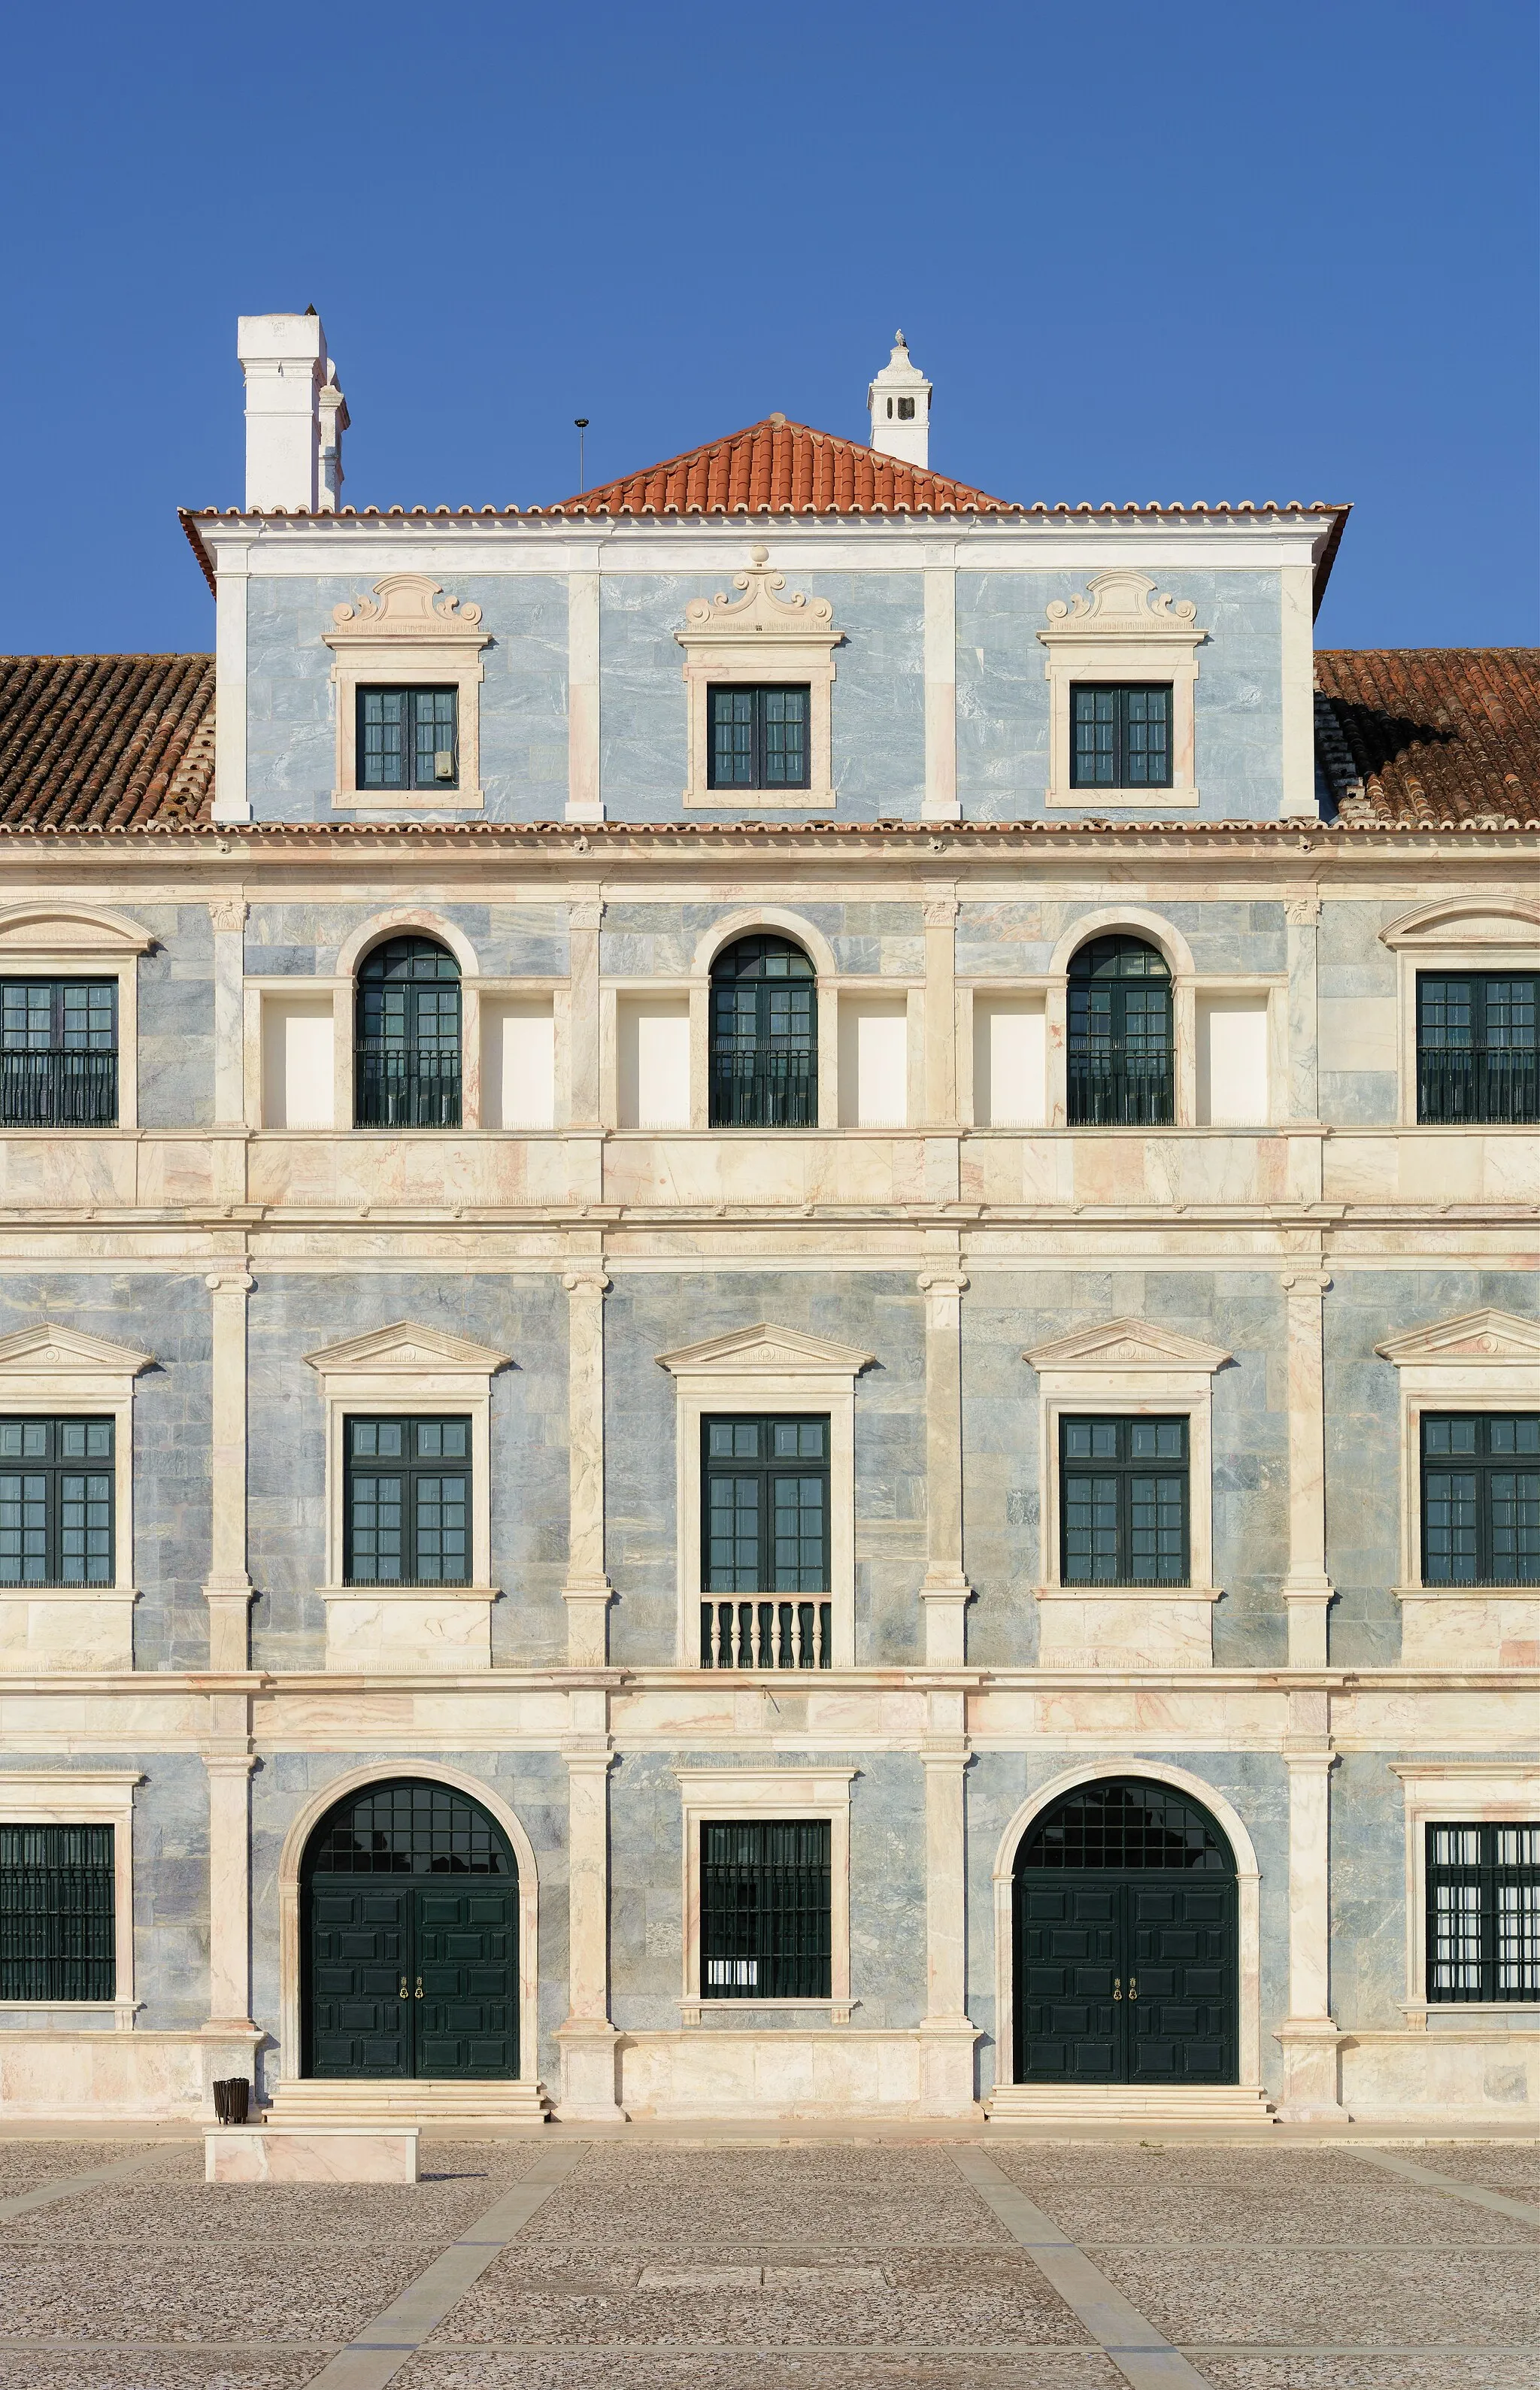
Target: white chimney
{"x":900,"y":402}
{"x":295,"y":414}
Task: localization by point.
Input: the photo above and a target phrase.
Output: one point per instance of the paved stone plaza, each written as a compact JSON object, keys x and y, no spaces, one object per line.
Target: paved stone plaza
{"x":563,"y":2265}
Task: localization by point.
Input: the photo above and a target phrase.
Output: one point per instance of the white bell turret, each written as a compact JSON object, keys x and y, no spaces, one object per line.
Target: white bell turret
{"x":900,"y":402}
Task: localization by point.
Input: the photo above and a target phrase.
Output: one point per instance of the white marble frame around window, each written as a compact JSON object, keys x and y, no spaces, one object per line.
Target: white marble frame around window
{"x":64,"y":941}
{"x":1482,"y":1361}
{"x":1470,"y":933}
{"x":57,"y":1372}
{"x":58,"y":1796}
{"x":1456,"y":1792}
{"x":755,"y":638}
{"x":757,"y":1371}
{"x":712,"y":1795}
{"x":1121,"y":629}
{"x":291,"y":1861}
{"x":407,"y":639}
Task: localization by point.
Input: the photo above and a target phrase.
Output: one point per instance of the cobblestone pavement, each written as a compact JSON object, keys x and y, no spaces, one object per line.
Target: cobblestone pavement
{"x":1000,"y":2264}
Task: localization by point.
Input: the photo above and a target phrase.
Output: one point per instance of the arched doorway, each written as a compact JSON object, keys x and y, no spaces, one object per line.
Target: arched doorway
{"x":409,"y":1937}
{"x":1125,"y":1933}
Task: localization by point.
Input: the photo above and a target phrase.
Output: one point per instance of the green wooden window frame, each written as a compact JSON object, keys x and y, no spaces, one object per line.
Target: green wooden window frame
{"x":58,"y":1053}
{"x":766,"y":1909}
{"x":1483,"y":1912}
{"x":58,"y":1913}
{"x":764,"y":1068}
{"x":759,"y":736}
{"x":1478,"y":1046}
{"x":58,"y":1501}
{"x":764,"y":1503}
{"x":1123,"y":1500}
{"x":1120,"y":736}
{"x":406,"y":1501}
{"x":1121,"y":1070}
{"x":408,"y":738}
{"x":1481,"y":1497}
{"x":408,"y":1036}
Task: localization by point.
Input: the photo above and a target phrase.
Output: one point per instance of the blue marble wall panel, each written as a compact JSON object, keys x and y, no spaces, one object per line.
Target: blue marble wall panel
{"x":176,"y":1017}
{"x":304,"y":939}
{"x":1354,"y":967}
{"x":1002,"y":692}
{"x":291,"y":744}
{"x":294,"y":1312}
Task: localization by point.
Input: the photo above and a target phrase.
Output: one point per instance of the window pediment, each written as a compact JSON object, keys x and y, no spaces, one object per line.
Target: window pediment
{"x":759,"y":636}
{"x":1485,"y":1336}
{"x":771,"y":1350}
{"x":1132,"y":1344}
{"x":1463,"y":921}
{"x":408,"y":1351}
{"x":63,"y":1355}
{"x":407,"y":609}
{"x":1121,"y":627}
{"x":68,"y":930}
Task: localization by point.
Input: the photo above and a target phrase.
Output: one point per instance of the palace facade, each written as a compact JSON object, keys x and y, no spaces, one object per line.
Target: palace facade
{"x":768,"y":1339}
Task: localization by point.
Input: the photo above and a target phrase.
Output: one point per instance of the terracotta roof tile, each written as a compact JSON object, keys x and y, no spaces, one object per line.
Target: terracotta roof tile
{"x":780,"y":467}
{"x":105,"y":741}
{"x":1430,"y":734}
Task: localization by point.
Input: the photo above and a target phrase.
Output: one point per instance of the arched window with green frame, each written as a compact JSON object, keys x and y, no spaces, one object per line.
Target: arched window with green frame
{"x":407,"y":1050}
{"x":764,"y":1037}
{"x":1121,"y":1066}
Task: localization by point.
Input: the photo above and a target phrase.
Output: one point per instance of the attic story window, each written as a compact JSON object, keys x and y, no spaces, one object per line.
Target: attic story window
{"x":407,"y":739}
{"x":759,"y":738}
{"x":1121,"y":736}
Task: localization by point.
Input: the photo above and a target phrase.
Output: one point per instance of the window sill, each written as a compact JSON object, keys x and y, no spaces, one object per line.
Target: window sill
{"x":1444,"y":2016}
{"x":1466,"y":1592}
{"x":410,"y":1593}
{"x":68,"y":1593}
{"x":837,"y":2009}
{"x":1086,"y":801}
{"x":1130,"y":1593}
{"x":409,"y":800}
{"x":756,"y":801}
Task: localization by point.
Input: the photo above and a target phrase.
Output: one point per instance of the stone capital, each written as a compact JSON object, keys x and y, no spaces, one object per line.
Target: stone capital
{"x":237,"y":1280}
{"x":587,"y":913}
{"x":595,"y":1281}
{"x":228,"y":913}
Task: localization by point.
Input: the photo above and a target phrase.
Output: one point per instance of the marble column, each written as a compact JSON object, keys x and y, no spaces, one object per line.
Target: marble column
{"x":1307,"y":1590}
{"x":229,"y":1775}
{"x":587,"y":2039}
{"x":945,"y":1591}
{"x":1308,"y":2035}
{"x":228,"y":1589}
{"x":587,"y":1591}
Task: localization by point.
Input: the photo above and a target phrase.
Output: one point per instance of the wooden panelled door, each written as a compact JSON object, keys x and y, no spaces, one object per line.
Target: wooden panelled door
{"x":1126,"y":1941}
{"x":410,"y":1912}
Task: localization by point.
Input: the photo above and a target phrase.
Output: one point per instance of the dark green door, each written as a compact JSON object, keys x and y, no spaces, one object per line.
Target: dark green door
{"x":1127,"y":1942}
{"x":410,"y":1916}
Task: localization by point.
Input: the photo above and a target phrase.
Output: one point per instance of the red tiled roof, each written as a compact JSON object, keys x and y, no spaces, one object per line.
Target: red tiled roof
{"x":100,"y":741}
{"x":1430,"y":734}
{"x":780,"y":467}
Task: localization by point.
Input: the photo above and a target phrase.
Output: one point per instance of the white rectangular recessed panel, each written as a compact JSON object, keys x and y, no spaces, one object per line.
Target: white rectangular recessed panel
{"x":654,"y":1061}
{"x":874,"y":1063}
{"x":298,"y":1068}
{"x":1009,"y":1062}
{"x":519,"y":1078}
{"x":1232,"y":1062}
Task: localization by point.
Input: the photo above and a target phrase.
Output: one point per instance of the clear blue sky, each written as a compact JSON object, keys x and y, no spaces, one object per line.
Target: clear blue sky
{"x":1215,"y":251}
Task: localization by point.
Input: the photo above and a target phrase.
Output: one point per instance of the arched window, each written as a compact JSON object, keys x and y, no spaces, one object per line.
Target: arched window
{"x":764,"y":1037}
{"x":409,"y":1925}
{"x":1121,"y":1072}
{"x":407,"y":1054}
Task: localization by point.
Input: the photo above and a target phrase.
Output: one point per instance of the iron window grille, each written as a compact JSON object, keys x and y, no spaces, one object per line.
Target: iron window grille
{"x":1483,"y":1913}
{"x":407,"y":1501}
{"x":767,"y":1929}
{"x":406,"y":1058}
{"x":408,"y":1828}
{"x":1120,"y":1068}
{"x":764,"y":1037}
{"x":58,"y":1913}
{"x":1125,"y":1823}
{"x":408,"y":738}
{"x":1481,"y":1498}
{"x":58,"y":1053}
{"x":1478,"y":1046}
{"x":56,"y":1501}
{"x":1123,"y":1502}
{"x":758,"y":737}
{"x":1121,"y":738}
{"x":765,"y":1530}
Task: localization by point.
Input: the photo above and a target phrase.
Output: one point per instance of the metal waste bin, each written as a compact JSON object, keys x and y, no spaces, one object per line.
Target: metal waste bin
{"x":232,"y":2100}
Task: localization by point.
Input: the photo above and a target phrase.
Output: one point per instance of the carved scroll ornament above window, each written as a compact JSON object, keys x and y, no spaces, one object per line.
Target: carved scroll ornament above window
{"x":759,"y":638}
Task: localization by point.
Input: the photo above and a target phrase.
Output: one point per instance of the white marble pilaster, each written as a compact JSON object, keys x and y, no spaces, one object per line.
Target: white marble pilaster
{"x":228,"y":1589}
{"x":229,"y":1775}
{"x":231,"y":803}
{"x":1307,"y":1589}
{"x":587,"y":2038}
{"x":1303,"y":915}
{"x":587,"y":1591}
{"x":948,"y":2036}
{"x":1308,"y":2035}
{"x":228,"y":916}
{"x":945,"y":1592}
{"x":583,"y":802}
